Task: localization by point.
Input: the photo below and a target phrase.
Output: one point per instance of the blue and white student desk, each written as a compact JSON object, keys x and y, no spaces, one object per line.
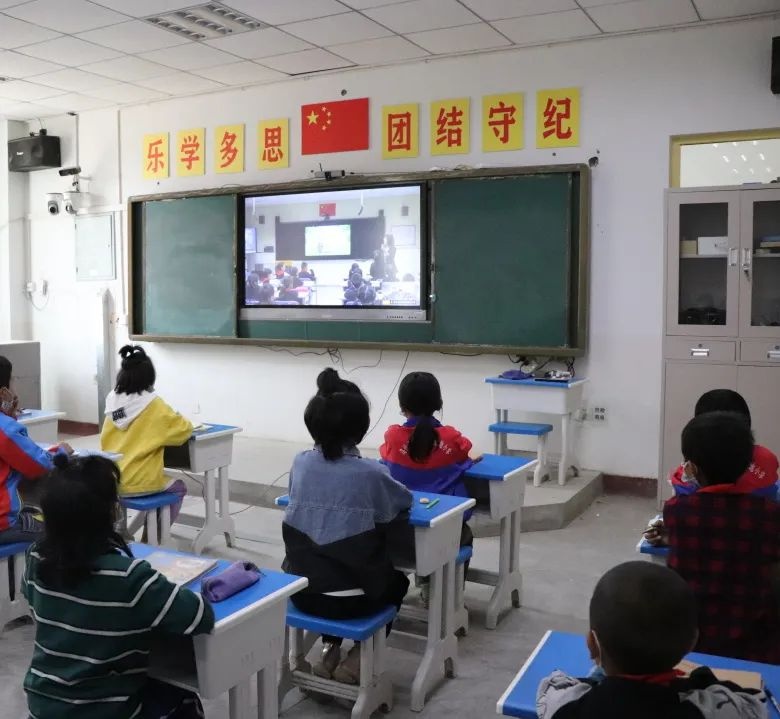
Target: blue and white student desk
{"x":505,"y":478}
{"x":569,"y":654}
{"x":247,"y":642}
{"x":437,"y":543}
{"x":209,"y":452}
{"x":561,"y":399}
{"x":42,"y":424}
{"x":657,"y":554}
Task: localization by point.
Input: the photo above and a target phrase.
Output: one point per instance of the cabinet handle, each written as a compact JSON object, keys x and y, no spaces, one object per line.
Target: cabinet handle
{"x":700,"y":352}
{"x":747,"y":258}
{"x":733,"y":256}
{"x":773,"y":355}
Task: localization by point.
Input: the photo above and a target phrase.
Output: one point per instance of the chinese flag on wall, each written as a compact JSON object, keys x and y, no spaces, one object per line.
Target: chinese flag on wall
{"x":340,"y":126}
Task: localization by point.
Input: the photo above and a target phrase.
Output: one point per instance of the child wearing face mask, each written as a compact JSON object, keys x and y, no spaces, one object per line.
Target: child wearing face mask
{"x":642,"y":623}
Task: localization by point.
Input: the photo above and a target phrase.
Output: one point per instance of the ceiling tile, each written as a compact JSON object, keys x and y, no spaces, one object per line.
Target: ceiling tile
{"x":279,"y":12}
{"x":501,"y":9}
{"x":128,"y":68}
{"x":459,"y":39}
{"x":595,"y":3}
{"x":17,"y":66}
{"x":241,"y":73}
{"x":336,"y":29}
{"x":180,"y":83}
{"x":546,"y":28}
{"x":191,"y":56}
{"x":641,"y":14}
{"x":714,"y":9}
{"x":143,"y":8}
{"x":259,"y":43}
{"x":73,"y":80}
{"x":26,"y":111}
{"x":69,"y":51}
{"x":26,"y":91}
{"x":133,"y":37}
{"x":316,"y":60}
{"x":70,"y":17}
{"x":122,"y":93}
{"x":420,"y":15}
{"x":363,"y":4}
{"x":73,"y":102}
{"x":380,"y":50}
{"x":15,"y":33}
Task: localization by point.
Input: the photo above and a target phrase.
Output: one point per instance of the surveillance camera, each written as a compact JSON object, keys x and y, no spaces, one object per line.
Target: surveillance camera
{"x":69,"y":207}
{"x":53,"y":200}
{"x":65,"y":171}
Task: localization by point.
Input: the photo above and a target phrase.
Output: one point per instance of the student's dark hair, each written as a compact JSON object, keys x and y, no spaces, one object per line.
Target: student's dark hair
{"x":294,"y":271}
{"x":304,"y":264}
{"x":79,"y":504}
{"x":287,"y":283}
{"x":337,"y":417}
{"x":420,"y":396}
{"x":5,"y":372}
{"x":720,"y":444}
{"x":266,"y":294}
{"x":356,"y":279}
{"x":329,"y":382}
{"x":279,"y":265}
{"x":722,"y":400}
{"x":136,"y":374}
{"x":644,"y":618}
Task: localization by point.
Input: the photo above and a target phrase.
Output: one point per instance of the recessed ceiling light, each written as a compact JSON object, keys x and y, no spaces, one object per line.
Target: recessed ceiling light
{"x":755,"y":142}
{"x":206,"y":22}
{"x":735,"y":170}
{"x":734,"y":143}
{"x":769,"y":169}
{"x":751,"y":170}
{"x":725,"y":159}
{"x":714,"y":144}
{"x":744,"y":159}
{"x":761,"y":155}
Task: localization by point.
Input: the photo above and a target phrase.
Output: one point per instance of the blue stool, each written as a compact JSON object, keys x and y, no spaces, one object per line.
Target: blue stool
{"x":12,"y":604}
{"x":375,"y":690}
{"x":155,"y":510}
{"x":461,"y":613}
{"x":528,"y":429}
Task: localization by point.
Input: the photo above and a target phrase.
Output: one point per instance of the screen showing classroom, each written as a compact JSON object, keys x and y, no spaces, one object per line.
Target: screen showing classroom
{"x":328,"y":240}
{"x":351,"y":254}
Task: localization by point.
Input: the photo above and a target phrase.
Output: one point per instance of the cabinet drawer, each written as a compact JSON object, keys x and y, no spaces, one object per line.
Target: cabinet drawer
{"x":760,"y":351}
{"x":695,"y":349}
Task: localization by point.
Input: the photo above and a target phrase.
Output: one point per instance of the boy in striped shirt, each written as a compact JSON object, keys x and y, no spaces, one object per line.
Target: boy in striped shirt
{"x":96,"y":608}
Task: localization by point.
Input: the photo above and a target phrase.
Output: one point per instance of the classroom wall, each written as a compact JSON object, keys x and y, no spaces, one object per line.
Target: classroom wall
{"x":636,"y":92}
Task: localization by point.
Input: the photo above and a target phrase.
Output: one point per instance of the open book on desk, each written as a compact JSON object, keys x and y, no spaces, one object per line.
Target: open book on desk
{"x":180,"y":569}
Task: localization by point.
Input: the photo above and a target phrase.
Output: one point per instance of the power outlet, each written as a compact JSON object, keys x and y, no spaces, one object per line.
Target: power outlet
{"x":599,"y":414}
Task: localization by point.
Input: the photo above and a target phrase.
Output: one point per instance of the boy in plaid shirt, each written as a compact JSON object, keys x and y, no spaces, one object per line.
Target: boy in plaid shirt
{"x":723,"y":541}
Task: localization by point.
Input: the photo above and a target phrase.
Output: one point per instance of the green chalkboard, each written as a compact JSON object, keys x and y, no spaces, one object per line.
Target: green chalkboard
{"x":509,"y":259}
{"x":502,"y":260}
{"x":188,"y":266}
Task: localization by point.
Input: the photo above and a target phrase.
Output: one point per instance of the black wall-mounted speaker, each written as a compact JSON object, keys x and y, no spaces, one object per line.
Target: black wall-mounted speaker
{"x":37,"y":152}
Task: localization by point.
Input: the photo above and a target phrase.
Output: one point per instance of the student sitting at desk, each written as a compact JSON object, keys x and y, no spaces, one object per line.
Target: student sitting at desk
{"x":20,"y":458}
{"x":96,"y":608}
{"x":723,"y":540}
{"x":642,"y":623}
{"x":139,"y":425}
{"x":286,"y":291}
{"x":279,"y":272}
{"x":335,"y":527}
{"x":423,"y":454}
{"x":761,"y":476}
{"x":306,"y":273}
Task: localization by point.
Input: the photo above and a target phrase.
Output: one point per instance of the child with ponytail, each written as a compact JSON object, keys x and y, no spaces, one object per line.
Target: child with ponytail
{"x":422,"y":453}
{"x":342,"y":508}
{"x":139,"y":425}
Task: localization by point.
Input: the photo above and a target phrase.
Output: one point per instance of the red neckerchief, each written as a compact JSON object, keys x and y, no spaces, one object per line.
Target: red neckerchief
{"x":661,"y":678}
{"x":723,"y":489}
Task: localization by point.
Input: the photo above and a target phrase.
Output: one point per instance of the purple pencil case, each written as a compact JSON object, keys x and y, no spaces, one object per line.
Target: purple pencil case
{"x":235,"y":578}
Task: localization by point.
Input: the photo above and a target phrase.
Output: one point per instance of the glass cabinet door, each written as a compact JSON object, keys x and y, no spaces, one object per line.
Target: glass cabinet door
{"x":759,"y":264}
{"x":702,"y":264}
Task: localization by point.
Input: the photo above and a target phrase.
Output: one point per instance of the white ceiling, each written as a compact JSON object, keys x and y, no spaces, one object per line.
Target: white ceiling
{"x":75,"y":55}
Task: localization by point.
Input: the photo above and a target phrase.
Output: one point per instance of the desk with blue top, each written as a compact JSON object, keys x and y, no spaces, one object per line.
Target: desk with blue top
{"x":247,"y":641}
{"x":209,"y":452}
{"x":657,"y":554}
{"x":505,"y":477}
{"x":569,"y":654}
{"x":561,"y":399}
{"x":42,"y":425}
{"x":437,"y":529}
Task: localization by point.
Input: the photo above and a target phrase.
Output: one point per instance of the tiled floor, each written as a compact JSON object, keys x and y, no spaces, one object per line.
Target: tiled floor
{"x":560,"y":568}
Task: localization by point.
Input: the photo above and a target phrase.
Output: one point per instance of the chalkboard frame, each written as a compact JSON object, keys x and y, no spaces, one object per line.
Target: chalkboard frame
{"x":579,"y":276}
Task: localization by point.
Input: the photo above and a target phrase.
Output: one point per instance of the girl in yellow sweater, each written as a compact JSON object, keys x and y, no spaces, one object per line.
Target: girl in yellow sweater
{"x":139,"y":425}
